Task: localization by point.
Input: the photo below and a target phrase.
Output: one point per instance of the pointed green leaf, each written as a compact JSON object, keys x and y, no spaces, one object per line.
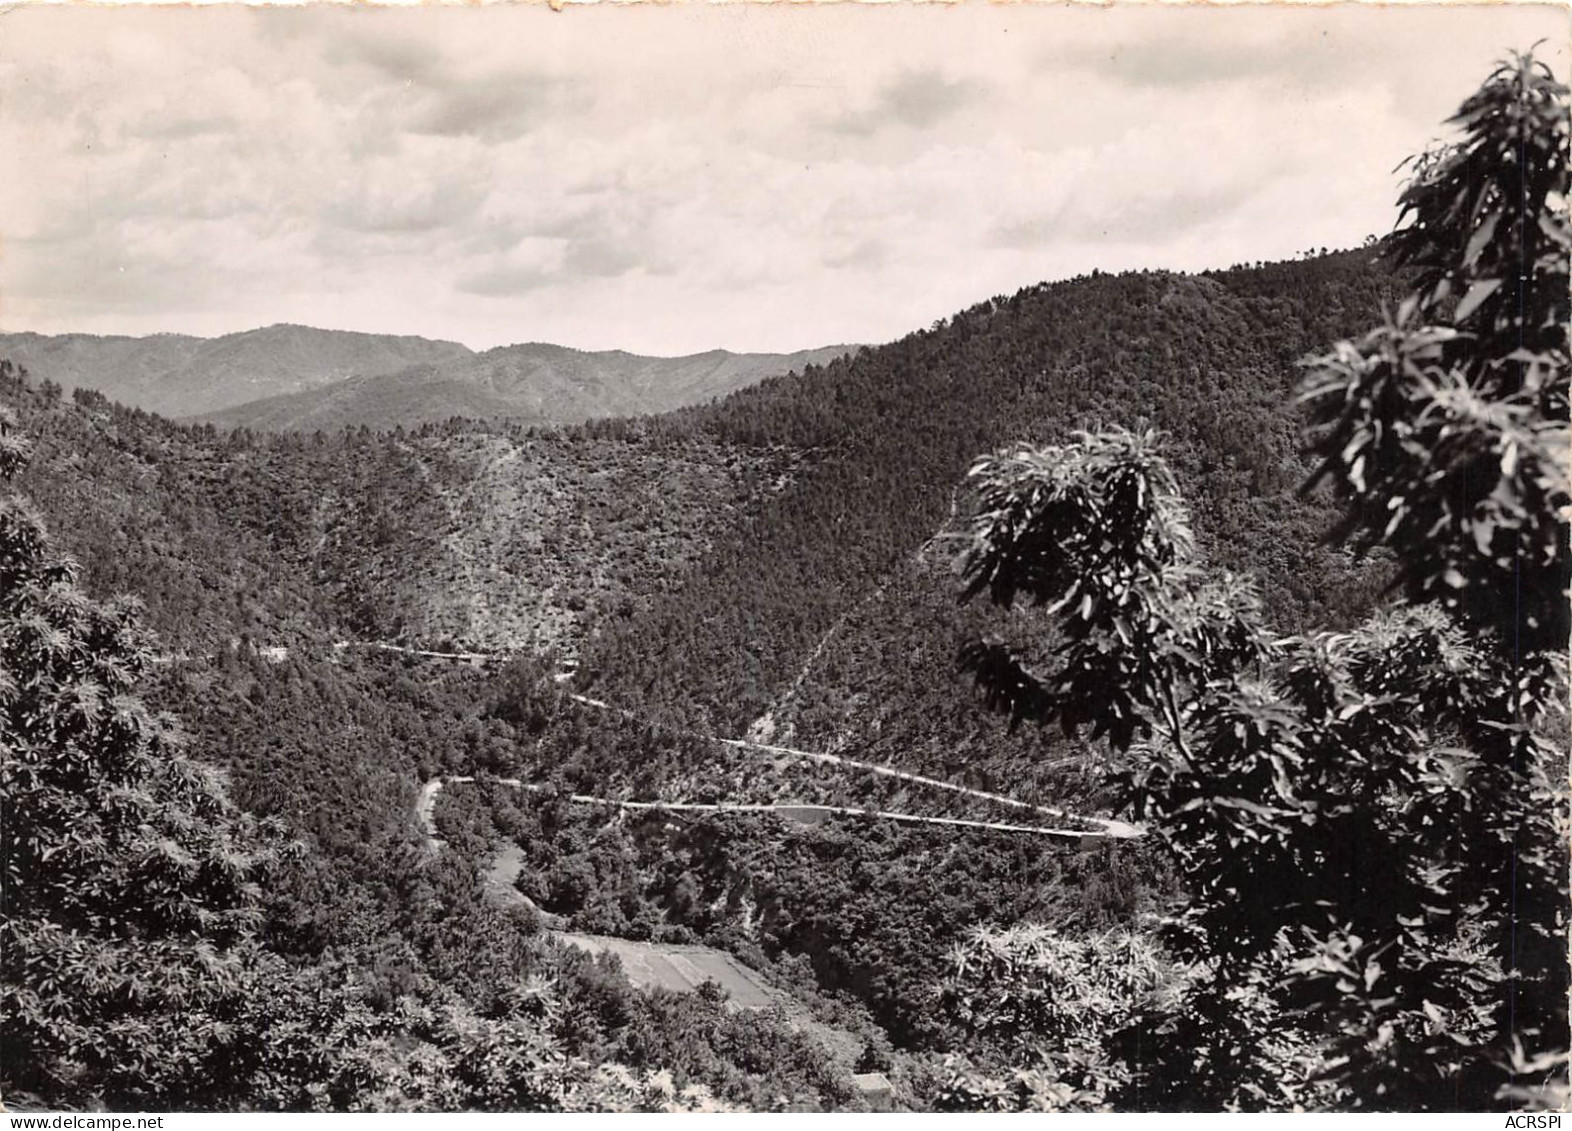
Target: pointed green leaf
{"x":1481,"y":239}
{"x":1477,"y":294}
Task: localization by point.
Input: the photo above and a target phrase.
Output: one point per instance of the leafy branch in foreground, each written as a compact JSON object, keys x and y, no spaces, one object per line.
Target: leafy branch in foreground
{"x":128,"y":881}
{"x":1372,"y":823}
{"x":1444,"y":430}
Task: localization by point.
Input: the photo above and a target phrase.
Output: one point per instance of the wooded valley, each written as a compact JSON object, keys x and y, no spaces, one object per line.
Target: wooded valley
{"x":219,"y":893}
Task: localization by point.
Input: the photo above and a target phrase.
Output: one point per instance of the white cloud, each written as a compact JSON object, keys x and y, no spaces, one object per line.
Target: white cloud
{"x":667,"y":179}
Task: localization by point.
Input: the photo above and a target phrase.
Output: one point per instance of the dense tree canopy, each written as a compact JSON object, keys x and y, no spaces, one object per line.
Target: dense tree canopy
{"x":146,"y":967}
{"x":1371,"y":824}
{"x":129,"y":898}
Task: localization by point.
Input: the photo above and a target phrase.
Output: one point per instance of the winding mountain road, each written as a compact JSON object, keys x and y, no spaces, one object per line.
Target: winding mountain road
{"x":1108,"y":825}
{"x":425,"y":809}
{"x":1103,"y":827}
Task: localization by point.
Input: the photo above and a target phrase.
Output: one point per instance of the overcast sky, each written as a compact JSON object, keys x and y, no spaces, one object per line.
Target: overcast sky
{"x":671,"y":179}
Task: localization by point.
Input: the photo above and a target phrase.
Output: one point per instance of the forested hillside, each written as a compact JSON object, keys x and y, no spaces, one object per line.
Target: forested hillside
{"x":510,"y":538}
{"x":180,"y":375}
{"x":775,"y":563}
{"x":1211,"y":360}
{"x":470,"y":535}
{"x":535,"y":382}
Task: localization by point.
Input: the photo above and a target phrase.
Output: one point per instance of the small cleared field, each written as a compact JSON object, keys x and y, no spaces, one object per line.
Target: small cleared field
{"x":680,"y":968}
{"x":685,"y":968}
{"x":647,"y":965}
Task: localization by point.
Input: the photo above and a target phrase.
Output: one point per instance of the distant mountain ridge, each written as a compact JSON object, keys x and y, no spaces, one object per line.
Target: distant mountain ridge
{"x":534,"y":381}
{"x":179,"y":375}
{"x":298,"y":378}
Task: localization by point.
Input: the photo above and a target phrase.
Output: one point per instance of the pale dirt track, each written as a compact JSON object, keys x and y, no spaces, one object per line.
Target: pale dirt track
{"x":1099,"y":826}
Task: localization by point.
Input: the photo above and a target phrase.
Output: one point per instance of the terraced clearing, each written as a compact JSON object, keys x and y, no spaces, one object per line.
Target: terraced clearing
{"x":682,"y":968}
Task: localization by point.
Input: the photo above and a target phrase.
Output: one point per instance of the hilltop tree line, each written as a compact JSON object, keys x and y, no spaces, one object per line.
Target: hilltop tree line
{"x":1209,"y":359}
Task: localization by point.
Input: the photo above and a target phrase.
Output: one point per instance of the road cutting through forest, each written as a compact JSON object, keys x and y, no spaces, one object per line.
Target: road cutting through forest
{"x":1103,"y":827}
{"x":802,"y":813}
{"x":1107,"y":825}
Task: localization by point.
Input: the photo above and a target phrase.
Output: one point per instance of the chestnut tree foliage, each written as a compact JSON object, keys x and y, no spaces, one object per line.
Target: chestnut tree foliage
{"x":1372,"y":824}
{"x":128,"y":897}
{"x":1052,"y":997}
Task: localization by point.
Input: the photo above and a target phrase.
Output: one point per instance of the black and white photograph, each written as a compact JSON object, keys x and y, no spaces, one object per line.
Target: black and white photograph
{"x":784,"y":557}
